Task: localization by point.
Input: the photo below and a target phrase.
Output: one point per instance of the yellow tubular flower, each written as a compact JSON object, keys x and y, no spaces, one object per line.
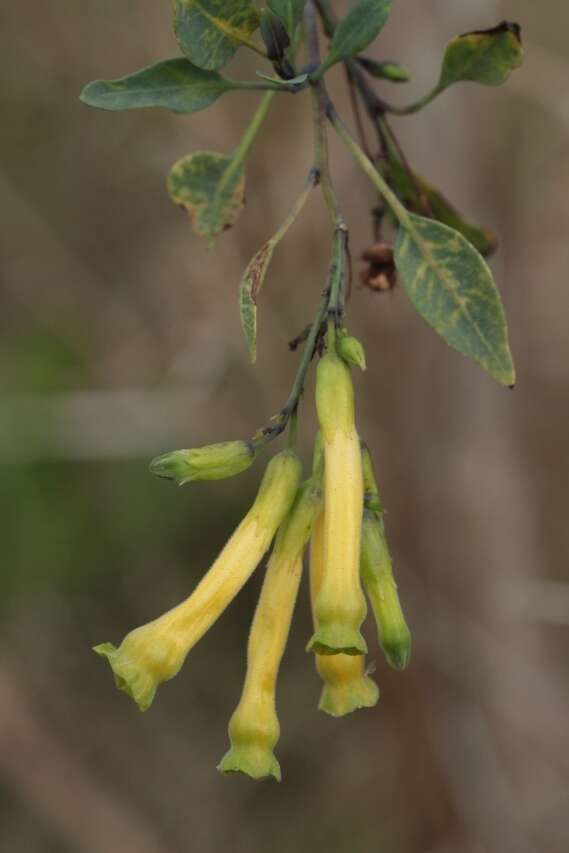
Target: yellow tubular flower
{"x":340,"y":606}
{"x":377,"y":574}
{"x":254,"y":727}
{"x":155,"y":652}
{"x":347,"y":687}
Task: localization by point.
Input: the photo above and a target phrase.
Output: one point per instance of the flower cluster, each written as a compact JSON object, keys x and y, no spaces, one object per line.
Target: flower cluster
{"x":337,"y":509}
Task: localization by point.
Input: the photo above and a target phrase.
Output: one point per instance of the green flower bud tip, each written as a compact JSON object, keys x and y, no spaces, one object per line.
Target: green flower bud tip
{"x":393,"y":634}
{"x":396,"y":73}
{"x":396,"y":645}
{"x":336,"y":638}
{"x":372,"y":499}
{"x":274,"y":34}
{"x":373,"y":503}
{"x":385,"y":70}
{"x":351,"y":350}
{"x":252,"y":760}
{"x":213,"y":462}
{"x":334,"y":396}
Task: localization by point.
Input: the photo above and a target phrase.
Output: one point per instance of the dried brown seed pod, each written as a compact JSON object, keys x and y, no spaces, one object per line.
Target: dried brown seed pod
{"x":379,"y":253}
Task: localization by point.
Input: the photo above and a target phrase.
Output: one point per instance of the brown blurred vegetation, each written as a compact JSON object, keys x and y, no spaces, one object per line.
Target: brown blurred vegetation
{"x":120,"y":339}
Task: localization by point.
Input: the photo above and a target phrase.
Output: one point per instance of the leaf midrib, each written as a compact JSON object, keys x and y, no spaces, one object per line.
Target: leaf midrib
{"x":230,"y":32}
{"x":431,"y":261}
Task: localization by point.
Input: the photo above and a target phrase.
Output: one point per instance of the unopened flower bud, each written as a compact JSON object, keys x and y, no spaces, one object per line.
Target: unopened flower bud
{"x":340,"y":606}
{"x":274,"y":34}
{"x":372,"y":500}
{"x":212,"y":462}
{"x":351,"y":350}
{"x":347,"y":686}
{"x":334,"y":397}
{"x":254,"y":727}
{"x":155,"y":652}
{"x":385,"y":70}
{"x":377,"y":574}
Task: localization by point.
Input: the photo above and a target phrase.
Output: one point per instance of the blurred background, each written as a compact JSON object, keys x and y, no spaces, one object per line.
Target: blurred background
{"x":120,"y":339}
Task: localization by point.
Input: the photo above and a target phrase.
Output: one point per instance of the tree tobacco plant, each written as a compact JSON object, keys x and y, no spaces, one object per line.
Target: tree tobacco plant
{"x":421,"y":240}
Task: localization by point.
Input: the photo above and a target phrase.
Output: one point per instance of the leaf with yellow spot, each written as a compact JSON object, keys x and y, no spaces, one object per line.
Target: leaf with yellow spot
{"x":256,"y":270}
{"x":210,"y":31}
{"x":484,"y":56}
{"x":452,"y":288}
{"x":410,"y":188}
{"x":211,"y":188}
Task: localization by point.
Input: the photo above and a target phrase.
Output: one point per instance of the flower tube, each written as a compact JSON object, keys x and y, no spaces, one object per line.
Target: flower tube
{"x":340,"y":607}
{"x":254,"y":727}
{"x":347,"y":686}
{"x":155,"y":652}
{"x":377,"y":574}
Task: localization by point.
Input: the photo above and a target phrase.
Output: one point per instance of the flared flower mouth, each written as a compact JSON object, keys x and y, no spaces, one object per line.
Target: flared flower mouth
{"x":251,"y":760}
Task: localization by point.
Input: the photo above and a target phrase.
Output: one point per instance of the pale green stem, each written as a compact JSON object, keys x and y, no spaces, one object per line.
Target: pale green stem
{"x":371,"y":171}
{"x":293,"y":429}
{"x":415,"y":106}
{"x":321,"y":158}
{"x":296,"y":209}
{"x":320,"y":100}
{"x":247,"y":140}
{"x":291,"y":405}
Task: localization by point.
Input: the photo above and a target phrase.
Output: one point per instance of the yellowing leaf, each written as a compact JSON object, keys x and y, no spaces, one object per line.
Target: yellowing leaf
{"x":251,"y":283}
{"x":452,"y":288}
{"x":484,"y":56}
{"x":210,"y":31}
{"x":441,"y":209}
{"x":211,"y":188}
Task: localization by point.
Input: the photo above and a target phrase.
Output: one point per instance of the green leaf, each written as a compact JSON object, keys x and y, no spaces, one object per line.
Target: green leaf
{"x":251,"y":283}
{"x":211,"y":188}
{"x":484,"y":56}
{"x":355,"y":31}
{"x":210,"y":31}
{"x":290,"y":13}
{"x":452,"y":288}
{"x":174,"y":84}
{"x":442,"y":210}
